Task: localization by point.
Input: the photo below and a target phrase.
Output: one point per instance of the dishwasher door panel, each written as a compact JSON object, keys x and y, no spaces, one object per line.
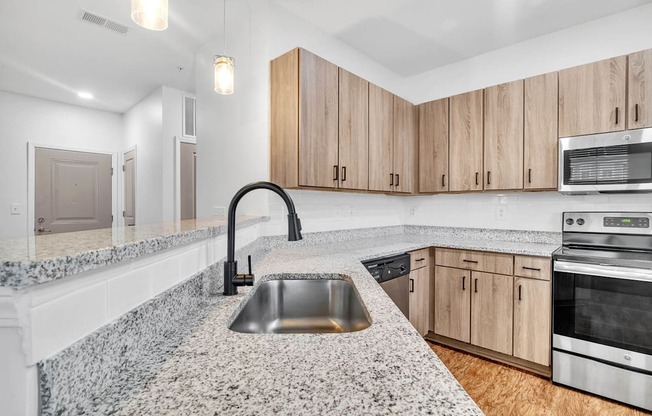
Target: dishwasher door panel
{"x":399,"y":290}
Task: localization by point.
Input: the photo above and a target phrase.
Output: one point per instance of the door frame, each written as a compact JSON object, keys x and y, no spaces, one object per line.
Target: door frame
{"x":121,"y":184}
{"x":31,"y":179}
{"x":177,"y":174}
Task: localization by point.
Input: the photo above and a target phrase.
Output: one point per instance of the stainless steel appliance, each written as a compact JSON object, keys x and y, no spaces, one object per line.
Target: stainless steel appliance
{"x":608,"y":162}
{"x":393,"y":275}
{"x":602,"y":305}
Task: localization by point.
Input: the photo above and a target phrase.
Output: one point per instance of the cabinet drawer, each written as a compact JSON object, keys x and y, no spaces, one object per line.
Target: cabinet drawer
{"x":475,"y":260}
{"x":419,"y":258}
{"x":533,"y":267}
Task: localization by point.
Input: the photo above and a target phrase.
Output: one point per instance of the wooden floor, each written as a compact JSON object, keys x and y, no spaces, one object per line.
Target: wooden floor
{"x":502,"y":390}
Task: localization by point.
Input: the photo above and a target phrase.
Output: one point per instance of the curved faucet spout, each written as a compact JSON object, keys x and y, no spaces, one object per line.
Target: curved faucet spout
{"x":231,"y":277}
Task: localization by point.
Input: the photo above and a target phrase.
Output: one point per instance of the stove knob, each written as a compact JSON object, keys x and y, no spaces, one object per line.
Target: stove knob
{"x":569,"y":221}
{"x":580,"y":221}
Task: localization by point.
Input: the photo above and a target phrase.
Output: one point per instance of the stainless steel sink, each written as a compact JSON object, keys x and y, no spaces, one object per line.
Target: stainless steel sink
{"x":303,"y":306}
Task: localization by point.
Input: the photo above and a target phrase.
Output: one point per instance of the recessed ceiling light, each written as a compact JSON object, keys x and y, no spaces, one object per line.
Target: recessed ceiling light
{"x":85,"y":95}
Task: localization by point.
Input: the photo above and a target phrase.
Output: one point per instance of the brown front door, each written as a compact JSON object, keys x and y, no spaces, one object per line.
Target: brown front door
{"x":72,"y":191}
{"x":188,"y":181}
{"x":129,"y":169}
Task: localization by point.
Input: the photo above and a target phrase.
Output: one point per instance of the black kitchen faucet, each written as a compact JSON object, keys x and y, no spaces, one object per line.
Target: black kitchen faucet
{"x":231,"y":277}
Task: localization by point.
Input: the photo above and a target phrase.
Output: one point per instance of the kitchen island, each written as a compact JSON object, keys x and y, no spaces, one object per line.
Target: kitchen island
{"x":196,"y":365}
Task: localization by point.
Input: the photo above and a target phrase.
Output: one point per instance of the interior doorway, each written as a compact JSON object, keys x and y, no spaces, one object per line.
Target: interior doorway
{"x":129,"y":186}
{"x":72,"y":190}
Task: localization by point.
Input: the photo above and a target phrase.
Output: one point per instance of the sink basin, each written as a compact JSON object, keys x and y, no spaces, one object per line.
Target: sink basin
{"x":294,"y":306}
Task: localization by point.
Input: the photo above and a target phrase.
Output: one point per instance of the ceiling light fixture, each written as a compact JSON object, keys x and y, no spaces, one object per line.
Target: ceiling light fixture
{"x":224,"y":66}
{"x":85,"y":95}
{"x":150,"y":14}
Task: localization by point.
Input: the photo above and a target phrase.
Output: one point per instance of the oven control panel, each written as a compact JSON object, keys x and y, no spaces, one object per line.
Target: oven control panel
{"x":608,"y":222}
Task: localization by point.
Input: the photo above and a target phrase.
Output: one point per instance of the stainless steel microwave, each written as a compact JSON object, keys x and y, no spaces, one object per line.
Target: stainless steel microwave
{"x":606,"y":163}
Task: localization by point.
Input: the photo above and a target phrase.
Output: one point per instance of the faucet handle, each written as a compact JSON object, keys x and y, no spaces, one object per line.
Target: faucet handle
{"x":244,"y":279}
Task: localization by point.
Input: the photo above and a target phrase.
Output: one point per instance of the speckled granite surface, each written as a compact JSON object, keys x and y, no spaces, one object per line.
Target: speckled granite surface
{"x":195,"y":365}
{"x":33,"y":260}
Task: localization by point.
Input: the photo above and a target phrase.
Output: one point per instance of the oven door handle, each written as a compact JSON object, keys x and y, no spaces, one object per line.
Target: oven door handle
{"x":615,"y":272}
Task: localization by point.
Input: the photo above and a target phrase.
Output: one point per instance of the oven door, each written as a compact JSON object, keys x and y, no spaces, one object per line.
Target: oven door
{"x":603,"y":312}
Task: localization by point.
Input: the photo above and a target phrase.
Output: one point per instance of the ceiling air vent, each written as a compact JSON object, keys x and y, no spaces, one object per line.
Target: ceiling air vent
{"x":95,"y":19}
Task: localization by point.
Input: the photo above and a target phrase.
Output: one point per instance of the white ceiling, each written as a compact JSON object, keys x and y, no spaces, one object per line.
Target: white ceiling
{"x":47,"y":52}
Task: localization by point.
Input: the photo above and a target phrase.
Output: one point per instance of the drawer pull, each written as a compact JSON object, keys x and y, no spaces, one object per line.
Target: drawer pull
{"x":421,"y":259}
{"x":463,"y":282}
{"x":470,"y":261}
{"x":532,"y":268}
{"x":411,"y":285}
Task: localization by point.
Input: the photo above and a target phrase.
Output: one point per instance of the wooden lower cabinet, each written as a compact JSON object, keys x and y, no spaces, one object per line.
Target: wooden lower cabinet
{"x":453,"y":303}
{"x":532,"y":320}
{"x":420,"y":299}
{"x":492,"y":311}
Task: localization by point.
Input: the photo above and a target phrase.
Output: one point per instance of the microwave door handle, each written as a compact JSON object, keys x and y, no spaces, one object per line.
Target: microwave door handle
{"x":599,"y":270}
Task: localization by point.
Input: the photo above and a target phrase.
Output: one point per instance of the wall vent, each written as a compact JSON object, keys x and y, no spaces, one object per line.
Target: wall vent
{"x":95,"y":19}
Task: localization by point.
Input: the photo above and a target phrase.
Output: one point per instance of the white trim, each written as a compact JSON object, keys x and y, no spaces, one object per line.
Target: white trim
{"x":121,"y":184}
{"x":31,"y":178}
{"x":177,"y":173}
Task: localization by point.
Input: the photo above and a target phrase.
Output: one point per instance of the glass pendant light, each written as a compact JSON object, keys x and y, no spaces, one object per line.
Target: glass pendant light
{"x":224,"y":67}
{"x":150,"y":14}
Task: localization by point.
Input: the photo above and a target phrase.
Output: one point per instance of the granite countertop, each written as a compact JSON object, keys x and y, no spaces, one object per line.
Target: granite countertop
{"x":37,"y":259}
{"x":385,"y":369}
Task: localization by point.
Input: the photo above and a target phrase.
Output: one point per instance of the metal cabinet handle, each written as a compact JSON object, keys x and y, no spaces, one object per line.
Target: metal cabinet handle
{"x":335,"y":172}
{"x":470,"y":261}
{"x":636,"y":112}
{"x":391,"y":179}
{"x":463,"y":282}
{"x":397,"y":179}
{"x":529,"y":175}
{"x":488,"y":177}
{"x":411,"y":285}
{"x":476,"y":179}
{"x":43,"y":230}
{"x":616,"y":115}
{"x":421,"y":259}
{"x":343,"y":173}
{"x":532,"y":268}
{"x":443,"y":181}
{"x":476,"y":285}
{"x":519,"y":292}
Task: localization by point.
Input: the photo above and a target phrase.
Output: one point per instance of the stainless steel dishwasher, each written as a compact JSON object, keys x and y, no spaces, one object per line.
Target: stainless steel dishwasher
{"x":393,"y":275}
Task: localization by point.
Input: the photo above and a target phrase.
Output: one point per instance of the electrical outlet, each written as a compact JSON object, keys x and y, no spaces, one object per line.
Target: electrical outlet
{"x":351,"y":212}
{"x":14,"y":208}
{"x":501,"y":212}
{"x":413,"y":211}
{"x":219,"y":211}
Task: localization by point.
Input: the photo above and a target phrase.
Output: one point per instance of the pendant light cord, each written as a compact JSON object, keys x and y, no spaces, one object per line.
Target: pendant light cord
{"x":224,"y":23}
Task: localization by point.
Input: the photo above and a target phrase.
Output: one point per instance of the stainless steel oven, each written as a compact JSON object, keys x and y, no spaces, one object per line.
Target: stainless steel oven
{"x":608,"y":162}
{"x":602,"y":306}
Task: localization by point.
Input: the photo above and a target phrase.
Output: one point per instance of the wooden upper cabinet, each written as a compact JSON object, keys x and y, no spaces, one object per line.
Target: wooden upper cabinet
{"x":540,"y":136}
{"x":381,"y":138}
{"x":318,"y":121}
{"x":405,"y":145}
{"x":639,"y":114}
{"x":492,"y":311}
{"x":452,"y":308}
{"x":465,"y":142}
{"x":592,"y":98}
{"x":532,"y":320}
{"x":354,"y":133}
{"x":503,"y":136}
{"x":284,"y":119}
{"x":433,"y":146}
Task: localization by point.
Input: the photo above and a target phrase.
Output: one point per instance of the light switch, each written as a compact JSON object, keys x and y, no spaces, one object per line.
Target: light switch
{"x":14,"y":208}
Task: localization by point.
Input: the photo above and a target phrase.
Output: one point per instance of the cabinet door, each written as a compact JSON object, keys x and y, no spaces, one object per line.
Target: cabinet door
{"x":503,"y":136}
{"x":639,"y":114}
{"x":381,"y":133}
{"x":540,"y":141}
{"x":433,"y":146}
{"x":405,"y":145}
{"x":420,"y":299}
{"x":284,"y":120}
{"x":532,"y":320}
{"x":492,"y":311}
{"x":465,"y":142}
{"x":592,"y":98}
{"x":453,"y":303}
{"x":318,"y":144}
{"x":354,"y":135}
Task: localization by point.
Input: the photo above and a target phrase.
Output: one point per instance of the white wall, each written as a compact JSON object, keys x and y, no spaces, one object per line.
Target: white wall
{"x":143,"y":126}
{"x":26,"y":119}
